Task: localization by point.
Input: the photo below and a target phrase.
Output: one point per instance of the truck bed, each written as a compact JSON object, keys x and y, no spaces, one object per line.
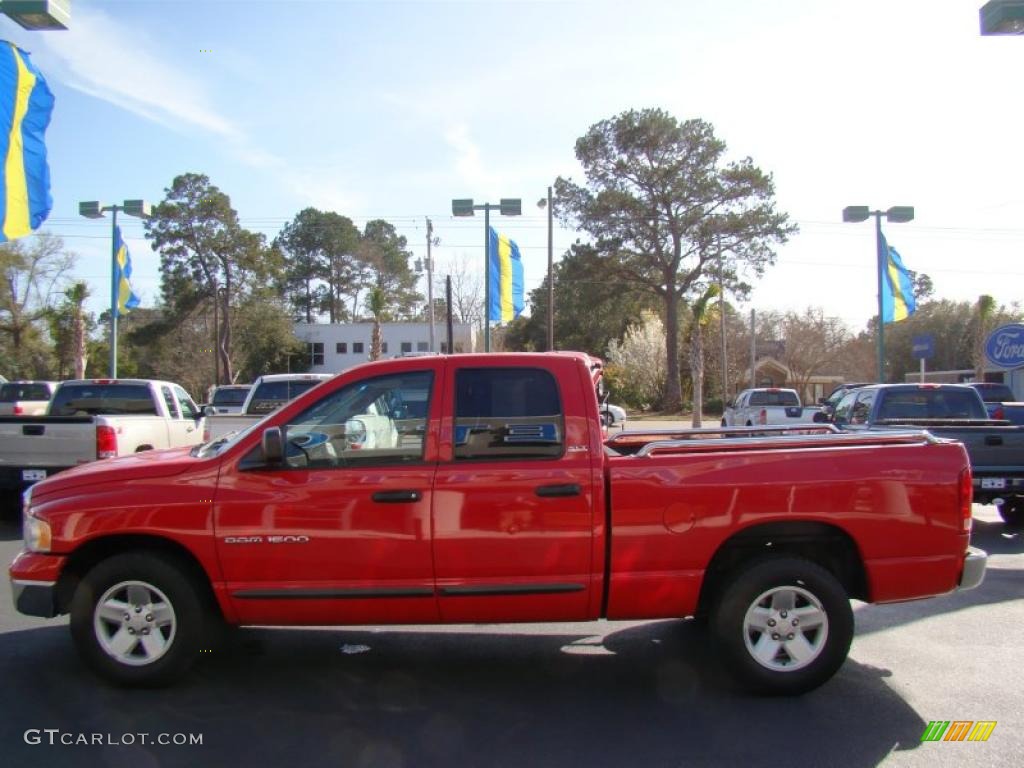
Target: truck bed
{"x":724,"y":481}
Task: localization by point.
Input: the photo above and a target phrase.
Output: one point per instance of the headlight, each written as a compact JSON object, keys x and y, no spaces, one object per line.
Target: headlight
{"x":37,"y":532}
{"x":37,"y":535}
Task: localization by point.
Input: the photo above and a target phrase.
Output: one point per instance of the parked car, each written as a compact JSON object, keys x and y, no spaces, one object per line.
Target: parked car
{"x":229,"y":398}
{"x":268,"y":393}
{"x":26,"y":398}
{"x":994,"y":395}
{"x":828,"y":404}
{"x":612,"y":414}
{"x":955,"y":412}
{"x":492,"y":497}
{"x":90,"y":419}
{"x":763,"y":406}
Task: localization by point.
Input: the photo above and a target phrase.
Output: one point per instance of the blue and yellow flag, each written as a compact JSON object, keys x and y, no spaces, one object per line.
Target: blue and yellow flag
{"x":25,"y":107}
{"x":126,"y":298}
{"x":898,"y":301}
{"x":505,"y":272}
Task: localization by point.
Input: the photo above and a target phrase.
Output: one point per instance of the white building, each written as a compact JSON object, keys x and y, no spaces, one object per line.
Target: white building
{"x":334,"y":347}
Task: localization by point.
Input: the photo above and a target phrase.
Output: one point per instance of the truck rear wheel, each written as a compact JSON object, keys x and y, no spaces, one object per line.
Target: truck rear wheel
{"x":137,"y":619}
{"x":784,"y":625}
{"x":1012,"y":511}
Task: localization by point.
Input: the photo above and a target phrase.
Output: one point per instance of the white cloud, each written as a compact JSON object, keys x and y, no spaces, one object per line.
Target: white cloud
{"x":104,"y":58}
{"x":468,"y":165}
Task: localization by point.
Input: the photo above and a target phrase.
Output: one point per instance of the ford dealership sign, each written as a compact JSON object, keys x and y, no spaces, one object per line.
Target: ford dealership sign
{"x":1005,"y":346}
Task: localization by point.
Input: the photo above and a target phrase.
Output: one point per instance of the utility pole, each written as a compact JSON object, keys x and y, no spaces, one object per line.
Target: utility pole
{"x":753,"y":349}
{"x":430,"y":283}
{"x":551,"y":274}
{"x":721,"y":324}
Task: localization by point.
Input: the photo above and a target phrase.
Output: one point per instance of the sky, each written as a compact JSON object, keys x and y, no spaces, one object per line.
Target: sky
{"x":390,"y":110}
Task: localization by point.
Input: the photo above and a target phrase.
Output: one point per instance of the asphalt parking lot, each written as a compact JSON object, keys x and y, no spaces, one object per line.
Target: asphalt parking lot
{"x":601,"y":694}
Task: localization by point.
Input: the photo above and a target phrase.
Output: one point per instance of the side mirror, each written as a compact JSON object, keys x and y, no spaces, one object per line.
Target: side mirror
{"x":272,"y":444}
{"x":207,"y":410}
{"x":820,"y":418}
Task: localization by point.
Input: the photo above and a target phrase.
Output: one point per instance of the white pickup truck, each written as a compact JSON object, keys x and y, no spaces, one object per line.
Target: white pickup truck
{"x":91,"y":419}
{"x":763,"y":406}
{"x":268,"y":393}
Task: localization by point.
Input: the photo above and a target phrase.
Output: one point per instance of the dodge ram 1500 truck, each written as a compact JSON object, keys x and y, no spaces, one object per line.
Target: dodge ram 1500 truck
{"x":480,"y":488}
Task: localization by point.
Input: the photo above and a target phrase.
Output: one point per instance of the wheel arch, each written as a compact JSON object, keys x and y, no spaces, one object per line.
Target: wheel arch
{"x":83,"y":559}
{"x":822,"y":543}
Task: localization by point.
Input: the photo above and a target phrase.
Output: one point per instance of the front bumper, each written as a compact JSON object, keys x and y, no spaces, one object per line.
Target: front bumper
{"x":35,"y":598}
{"x":974,"y":568}
{"x":34,"y":577}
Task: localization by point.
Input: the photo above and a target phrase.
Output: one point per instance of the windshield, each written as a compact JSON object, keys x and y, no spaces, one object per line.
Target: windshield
{"x":103,"y":400}
{"x":270,"y":395}
{"x":232,"y":396}
{"x":15,"y":392}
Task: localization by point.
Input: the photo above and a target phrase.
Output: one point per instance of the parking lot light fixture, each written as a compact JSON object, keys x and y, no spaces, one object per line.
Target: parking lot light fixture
{"x":38,"y":15}
{"x":1002,"y":17}
{"x":897,"y":214}
{"x":508,"y":206}
{"x":93,"y":209}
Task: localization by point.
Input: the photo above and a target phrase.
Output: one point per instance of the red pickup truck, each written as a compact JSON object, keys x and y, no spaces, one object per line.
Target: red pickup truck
{"x":482,"y":488}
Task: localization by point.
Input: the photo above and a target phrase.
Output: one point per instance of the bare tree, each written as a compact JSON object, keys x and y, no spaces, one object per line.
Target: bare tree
{"x":467,"y":290}
{"x":814,"y":342}
{"x":33,"y":272}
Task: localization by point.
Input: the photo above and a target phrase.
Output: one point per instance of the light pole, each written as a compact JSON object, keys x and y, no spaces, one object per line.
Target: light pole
{"x":95,"y":210}
{"x":549,"y":204}
{"x":507,"y":207}
{"x":899,"y":214}
{"x":1002,"y":17}
{"x":38,"y":15}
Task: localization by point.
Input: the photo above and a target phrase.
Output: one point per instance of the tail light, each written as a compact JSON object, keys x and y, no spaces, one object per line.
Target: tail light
{"x":999,"y":413}
{"x":966,"y":498}
{"x":206,"y":432}
{"x":106,"y":442}
{"x":18,"y":410}
{"x":762,"y":417}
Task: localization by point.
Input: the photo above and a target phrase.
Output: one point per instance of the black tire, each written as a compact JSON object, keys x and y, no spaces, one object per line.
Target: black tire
{"x":173,"y":617}
{"x":1012,"y":511}
{"x":766,"y":588}
{"x":724,"y":424}
{"x":606,"y":418}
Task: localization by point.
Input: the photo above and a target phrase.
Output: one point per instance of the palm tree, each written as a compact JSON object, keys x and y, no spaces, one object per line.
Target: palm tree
{"x":376,"y":303}
{"x":700,"y":316}
{"x":77,"y":294}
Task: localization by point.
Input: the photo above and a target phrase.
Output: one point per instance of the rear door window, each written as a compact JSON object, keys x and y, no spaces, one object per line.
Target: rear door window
{"x":507,"y":413}
{"x":172,"y":407}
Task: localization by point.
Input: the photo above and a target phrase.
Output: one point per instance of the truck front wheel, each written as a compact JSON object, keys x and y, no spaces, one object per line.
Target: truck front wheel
{"x":137,"y":619}
{"x":784,"y":625}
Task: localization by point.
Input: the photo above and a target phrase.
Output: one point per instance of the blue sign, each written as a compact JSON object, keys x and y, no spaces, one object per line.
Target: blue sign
{"x":1005,"y":346}
{"x":923,"y":347}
